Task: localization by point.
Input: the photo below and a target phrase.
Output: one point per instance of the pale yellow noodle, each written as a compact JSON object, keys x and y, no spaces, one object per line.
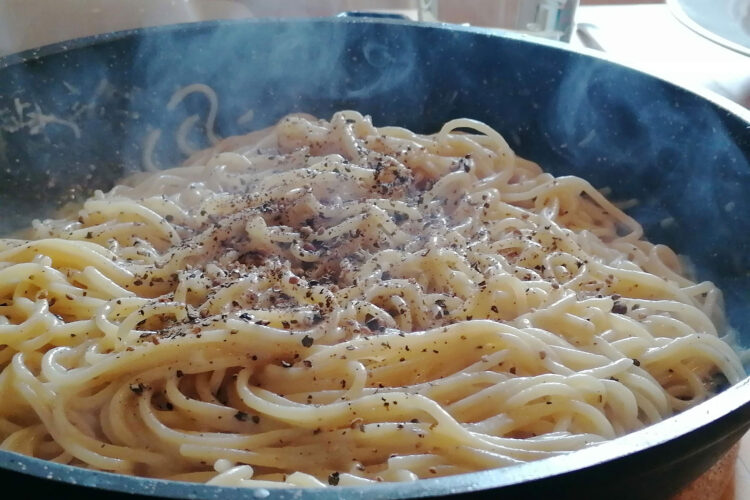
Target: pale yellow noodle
{"x":328,"y":302}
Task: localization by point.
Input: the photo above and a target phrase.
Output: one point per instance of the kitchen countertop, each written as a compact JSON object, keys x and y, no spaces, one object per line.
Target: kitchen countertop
{"x":650,"y":38}
{"x":742,"y":472}
{"x":729,"y":479}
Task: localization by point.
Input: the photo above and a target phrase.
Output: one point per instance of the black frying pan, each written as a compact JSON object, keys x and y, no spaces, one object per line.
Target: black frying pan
{"x":685,"y":157}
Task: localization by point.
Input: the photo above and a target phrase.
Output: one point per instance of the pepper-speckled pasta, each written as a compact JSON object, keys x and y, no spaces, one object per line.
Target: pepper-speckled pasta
{"x":330,"y":303}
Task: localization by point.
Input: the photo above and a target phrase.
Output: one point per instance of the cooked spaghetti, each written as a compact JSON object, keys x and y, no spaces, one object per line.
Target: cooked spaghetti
{"x":331,"y":303}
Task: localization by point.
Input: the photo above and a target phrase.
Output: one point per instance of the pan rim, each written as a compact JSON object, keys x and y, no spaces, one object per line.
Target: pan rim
{"x":77,"y":43}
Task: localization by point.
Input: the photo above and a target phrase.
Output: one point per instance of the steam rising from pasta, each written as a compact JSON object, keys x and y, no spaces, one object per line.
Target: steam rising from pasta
{"x":331,"y":303}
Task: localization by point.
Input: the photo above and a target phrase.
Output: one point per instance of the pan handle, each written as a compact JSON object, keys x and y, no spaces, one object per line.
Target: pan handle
{"x":372,"y":15}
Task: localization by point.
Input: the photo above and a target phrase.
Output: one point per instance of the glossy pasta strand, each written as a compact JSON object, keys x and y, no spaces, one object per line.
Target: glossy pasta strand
{"x":329,"y":302}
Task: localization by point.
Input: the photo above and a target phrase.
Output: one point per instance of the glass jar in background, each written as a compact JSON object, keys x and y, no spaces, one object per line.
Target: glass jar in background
{"x":553,"y":19}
